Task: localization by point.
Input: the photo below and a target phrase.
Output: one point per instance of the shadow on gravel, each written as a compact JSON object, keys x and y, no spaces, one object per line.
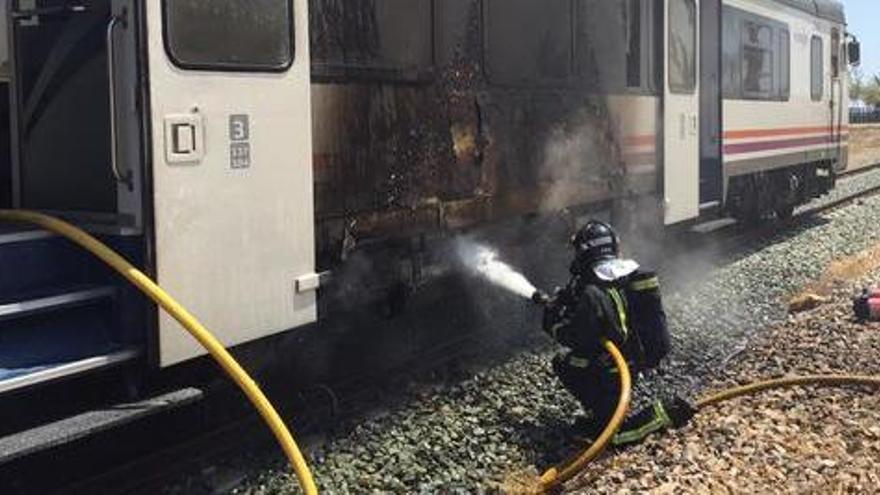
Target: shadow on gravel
{"x":548,"y":440}
{"x":691,"y":256}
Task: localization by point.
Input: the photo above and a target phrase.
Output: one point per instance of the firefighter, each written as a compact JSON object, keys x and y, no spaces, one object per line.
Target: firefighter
{"x":612,"y":298}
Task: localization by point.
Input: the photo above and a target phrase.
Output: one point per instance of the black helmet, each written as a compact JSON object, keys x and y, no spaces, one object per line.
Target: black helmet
{"x":594,"y":242}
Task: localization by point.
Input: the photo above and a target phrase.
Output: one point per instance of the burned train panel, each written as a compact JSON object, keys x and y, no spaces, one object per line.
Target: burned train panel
{"x":436,"y":115}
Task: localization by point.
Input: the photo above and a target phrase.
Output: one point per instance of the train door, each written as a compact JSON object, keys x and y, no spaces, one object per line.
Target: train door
{"x":232,"y":171}
{"x":711,"y":172}
{"x":681,"y":103}
{"x":76,"y":127}
{"x":837,"y":97}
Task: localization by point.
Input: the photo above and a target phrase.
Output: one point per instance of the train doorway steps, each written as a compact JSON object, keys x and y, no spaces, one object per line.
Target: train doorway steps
{"x":60,"y":454}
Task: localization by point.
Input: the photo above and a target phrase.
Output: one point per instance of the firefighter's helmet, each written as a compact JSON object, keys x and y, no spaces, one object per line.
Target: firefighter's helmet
{"x":595,"y":241}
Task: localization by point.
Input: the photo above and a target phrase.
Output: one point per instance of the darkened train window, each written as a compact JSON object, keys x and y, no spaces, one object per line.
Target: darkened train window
{"x":613,"y":41}
{"x":252,"y":35}
{"x":528,"y":42}
{"x":388,"y":39}
{"x":757,"y":59}
{"x":835,"y":53}
{"x":633,"y":15}
{"x":817,"y":69}
{"x":730,"y":48}
{"x":682,"y":46}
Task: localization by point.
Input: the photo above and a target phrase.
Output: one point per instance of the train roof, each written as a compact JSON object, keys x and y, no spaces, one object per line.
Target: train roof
{"x":826,"y":9}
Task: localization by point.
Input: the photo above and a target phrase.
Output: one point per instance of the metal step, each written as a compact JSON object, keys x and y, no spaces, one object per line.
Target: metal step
{"x":56,"y":302}
{"x":70,"y":369}
{"x":12,"y":236}
{"x":32,"y":261}
{"x":70,"y":430}
{"x":713,"y":226}
{"x":710,"y":205}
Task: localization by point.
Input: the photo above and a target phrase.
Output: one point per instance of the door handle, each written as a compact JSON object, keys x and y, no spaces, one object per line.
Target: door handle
{"x":126,"y":177}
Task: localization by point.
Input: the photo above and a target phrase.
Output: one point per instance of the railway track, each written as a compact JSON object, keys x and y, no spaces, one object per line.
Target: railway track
{"x":153,"y":472}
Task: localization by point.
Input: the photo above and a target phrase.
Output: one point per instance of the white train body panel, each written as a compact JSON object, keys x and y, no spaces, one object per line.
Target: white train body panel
{"x":763,"y":135}
{"x":637,"y":132}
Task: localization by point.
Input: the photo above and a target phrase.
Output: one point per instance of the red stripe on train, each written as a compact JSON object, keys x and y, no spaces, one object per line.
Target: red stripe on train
{"x":752,"y":147}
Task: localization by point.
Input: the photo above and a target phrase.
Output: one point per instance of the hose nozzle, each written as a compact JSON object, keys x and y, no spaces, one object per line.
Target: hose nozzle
{"x":541,"y":298}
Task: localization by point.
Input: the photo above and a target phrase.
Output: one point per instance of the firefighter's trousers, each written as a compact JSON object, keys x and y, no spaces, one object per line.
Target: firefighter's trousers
{"x":595,"y":384}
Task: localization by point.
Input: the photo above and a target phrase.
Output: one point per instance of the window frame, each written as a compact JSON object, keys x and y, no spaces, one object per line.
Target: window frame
{"x":228,"y":67}
{"x":817,"y":91}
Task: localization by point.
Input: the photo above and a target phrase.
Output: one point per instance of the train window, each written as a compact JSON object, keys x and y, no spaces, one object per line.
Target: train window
{"x":381,"y":39}
{"x":252,"y":35}
{"x":613,"y":45}
{"x":817,"y":69}
{"x":682,"y":46}
{"x":757,"y":59}
{"x":835,"y":53}
{"x":784,"y":64}
{"x":528,"y":42}
{"x":603,"y":45}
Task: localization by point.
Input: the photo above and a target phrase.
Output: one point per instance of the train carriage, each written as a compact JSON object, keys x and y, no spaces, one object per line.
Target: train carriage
{"x":278,"y":163}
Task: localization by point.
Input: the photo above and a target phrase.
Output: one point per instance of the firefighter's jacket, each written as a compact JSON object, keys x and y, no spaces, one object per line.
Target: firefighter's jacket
{"x":584,"y":312}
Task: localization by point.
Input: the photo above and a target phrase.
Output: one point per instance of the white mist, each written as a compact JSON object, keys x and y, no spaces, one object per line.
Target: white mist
{"x":483,"y":261}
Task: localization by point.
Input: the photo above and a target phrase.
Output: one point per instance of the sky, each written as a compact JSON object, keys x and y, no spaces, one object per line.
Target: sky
{"x":862,"y":17}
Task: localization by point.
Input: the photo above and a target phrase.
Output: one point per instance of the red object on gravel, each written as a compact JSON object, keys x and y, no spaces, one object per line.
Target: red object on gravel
{"x":867,"y":306}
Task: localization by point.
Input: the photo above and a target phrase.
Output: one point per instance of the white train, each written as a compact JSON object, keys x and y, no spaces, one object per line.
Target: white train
{"x":239,"y":151}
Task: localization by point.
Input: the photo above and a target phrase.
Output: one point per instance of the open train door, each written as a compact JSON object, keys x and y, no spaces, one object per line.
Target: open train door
{"x":232,"y":175}
{"x":681,"y":104}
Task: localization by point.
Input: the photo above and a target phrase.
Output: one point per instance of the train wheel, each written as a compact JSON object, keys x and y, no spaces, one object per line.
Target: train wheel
{"x":784,"y":212}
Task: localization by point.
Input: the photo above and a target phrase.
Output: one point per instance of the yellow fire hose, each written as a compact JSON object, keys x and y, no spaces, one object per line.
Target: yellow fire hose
{"x":794,"y":381}
{"x":558,"y":475}
{"x":189,"y":322}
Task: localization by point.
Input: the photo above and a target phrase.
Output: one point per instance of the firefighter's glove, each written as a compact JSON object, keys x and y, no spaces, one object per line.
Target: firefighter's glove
{"x":556,"y":317}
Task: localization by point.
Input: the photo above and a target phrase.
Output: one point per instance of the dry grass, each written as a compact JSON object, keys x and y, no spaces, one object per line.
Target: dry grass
{"x":864,"y":144}
{"x":840,"y":271}
{"x":524,"y":482}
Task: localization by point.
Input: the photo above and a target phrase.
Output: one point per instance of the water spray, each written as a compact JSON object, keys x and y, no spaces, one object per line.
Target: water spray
{"x":484,"y":261}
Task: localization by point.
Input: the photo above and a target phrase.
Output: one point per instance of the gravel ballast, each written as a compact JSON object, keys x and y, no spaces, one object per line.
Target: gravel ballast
{"x":472,"y":433}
